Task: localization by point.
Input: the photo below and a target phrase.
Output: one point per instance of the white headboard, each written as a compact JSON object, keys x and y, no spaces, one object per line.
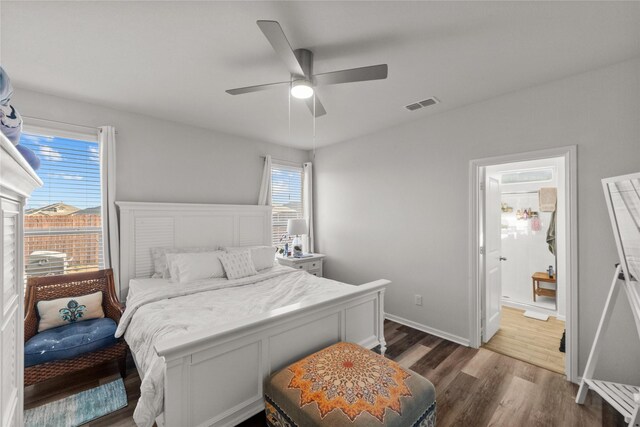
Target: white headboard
{"x":147,"y":225}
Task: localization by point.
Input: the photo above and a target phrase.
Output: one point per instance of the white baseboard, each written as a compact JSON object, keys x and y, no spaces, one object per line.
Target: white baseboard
{"x":525,"y":306}
{"x":415,"y":325}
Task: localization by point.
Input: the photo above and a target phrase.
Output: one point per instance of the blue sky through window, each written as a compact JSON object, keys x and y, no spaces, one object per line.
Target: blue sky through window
{"x":70,"y":170}
{"x":287,"y":186}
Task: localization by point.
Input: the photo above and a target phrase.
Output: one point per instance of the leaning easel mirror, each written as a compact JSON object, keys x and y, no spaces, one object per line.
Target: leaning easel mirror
{"x":623,"y":200}
{"x":624,"y":208}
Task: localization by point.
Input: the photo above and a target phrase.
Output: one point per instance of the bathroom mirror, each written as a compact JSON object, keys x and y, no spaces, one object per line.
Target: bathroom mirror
{"x":623,"y":200}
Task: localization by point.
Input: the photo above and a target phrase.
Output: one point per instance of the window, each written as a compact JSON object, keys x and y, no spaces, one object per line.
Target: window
{"x":63,"y":223}
{"x":286,"y":199}
{"x":522,"y":177}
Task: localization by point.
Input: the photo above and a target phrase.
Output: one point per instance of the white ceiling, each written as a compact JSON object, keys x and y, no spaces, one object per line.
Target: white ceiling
{"x":174,"y":60}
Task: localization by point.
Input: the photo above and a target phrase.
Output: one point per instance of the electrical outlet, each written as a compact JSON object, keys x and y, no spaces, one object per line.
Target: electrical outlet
{"x":418,"y":299}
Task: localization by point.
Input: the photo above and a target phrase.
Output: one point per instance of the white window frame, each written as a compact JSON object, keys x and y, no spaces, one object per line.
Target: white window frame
{"x":62,"y":130}
{"x":49,"y":128}
{"x":293,"y":165}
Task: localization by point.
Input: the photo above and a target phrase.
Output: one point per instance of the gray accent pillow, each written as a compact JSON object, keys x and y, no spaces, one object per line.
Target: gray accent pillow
{"x":262,"y":256}
{"x":238,"y":264}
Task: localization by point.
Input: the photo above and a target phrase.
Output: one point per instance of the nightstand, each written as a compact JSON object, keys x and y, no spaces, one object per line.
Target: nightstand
{"x":312,"y":264}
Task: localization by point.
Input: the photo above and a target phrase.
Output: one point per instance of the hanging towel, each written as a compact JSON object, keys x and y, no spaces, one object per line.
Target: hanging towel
{"x":551,"y":233}
{"x":547,"y":198}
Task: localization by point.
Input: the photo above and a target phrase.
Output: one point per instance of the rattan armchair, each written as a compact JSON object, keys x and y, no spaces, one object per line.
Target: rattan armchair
{"x":53,"y":287}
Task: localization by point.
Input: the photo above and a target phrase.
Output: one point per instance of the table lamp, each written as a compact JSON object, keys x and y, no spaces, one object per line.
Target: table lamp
{"x":297,"y":227}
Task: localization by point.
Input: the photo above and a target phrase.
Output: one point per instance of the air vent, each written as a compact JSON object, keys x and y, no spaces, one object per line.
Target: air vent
{"x":424,"y":103}
{"x":428,"y":102}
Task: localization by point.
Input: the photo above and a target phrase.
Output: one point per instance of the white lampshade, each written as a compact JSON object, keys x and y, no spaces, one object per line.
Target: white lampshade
{"x":297,"y":226}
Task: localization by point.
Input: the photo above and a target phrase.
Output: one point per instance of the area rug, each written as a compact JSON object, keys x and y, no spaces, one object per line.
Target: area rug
{"x":79,"y":408}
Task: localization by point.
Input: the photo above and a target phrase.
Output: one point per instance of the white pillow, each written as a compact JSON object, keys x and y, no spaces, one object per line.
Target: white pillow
{"x":187,"y":267}
{"x":238,"y":264}
{"x":172,"y":268}
{"x":159,"y":259}
{"x":62,"y":311}
{"x":262,"y":256}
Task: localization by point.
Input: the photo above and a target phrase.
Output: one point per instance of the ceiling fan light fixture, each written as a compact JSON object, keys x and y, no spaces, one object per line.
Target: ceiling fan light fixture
{"x":301,"y":89}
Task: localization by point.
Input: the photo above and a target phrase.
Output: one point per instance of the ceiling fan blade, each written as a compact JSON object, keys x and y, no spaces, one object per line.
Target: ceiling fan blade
{"x":257,"y":88}
{"x":373,"y":72}
{"x":320,"y":111}
{"x":273,"y":32}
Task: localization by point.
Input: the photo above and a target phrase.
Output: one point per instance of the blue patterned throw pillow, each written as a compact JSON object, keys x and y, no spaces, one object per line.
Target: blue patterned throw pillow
{"x":73,"y":311}
{"x":63,"y":311}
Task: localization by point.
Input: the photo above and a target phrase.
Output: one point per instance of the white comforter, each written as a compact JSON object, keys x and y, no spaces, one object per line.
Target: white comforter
{"x":172,"y":309}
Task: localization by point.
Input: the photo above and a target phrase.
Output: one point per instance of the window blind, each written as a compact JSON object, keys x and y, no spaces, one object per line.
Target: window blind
{"x":286,"y":200}
{"x":63,"y":222}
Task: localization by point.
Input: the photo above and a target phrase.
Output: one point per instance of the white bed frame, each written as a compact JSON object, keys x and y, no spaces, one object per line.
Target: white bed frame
{"x":215,"y":377}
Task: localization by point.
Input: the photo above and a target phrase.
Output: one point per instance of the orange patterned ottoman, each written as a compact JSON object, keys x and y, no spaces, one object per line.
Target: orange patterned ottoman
{"x":347,"y":385}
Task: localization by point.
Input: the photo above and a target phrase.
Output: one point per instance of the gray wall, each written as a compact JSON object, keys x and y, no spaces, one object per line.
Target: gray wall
{"x":395,"y":204}
{"x":164,"y":161}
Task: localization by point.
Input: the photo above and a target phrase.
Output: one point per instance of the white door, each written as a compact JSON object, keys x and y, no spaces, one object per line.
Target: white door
{"x":492,"y":258}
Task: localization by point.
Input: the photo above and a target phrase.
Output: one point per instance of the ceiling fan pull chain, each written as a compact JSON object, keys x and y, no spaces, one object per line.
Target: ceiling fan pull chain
{"x":290,"y":83}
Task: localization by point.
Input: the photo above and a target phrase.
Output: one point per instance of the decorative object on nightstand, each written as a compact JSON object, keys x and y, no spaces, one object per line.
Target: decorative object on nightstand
{"x":312,"y":263}
{"x":297,"y":227}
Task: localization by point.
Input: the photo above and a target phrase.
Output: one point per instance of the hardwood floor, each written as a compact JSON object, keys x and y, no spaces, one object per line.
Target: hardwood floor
{"x":474,"y":387}
{"x":478,"y":387}
{"x":529,"y":340}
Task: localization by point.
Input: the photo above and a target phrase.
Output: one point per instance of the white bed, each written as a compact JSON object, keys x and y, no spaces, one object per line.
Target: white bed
{"x":207,"y":346}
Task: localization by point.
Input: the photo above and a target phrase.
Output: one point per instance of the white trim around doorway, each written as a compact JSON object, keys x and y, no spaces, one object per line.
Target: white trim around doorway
{"x":571,"y":243}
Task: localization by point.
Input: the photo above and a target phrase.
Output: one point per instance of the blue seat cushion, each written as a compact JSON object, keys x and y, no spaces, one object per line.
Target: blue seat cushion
{"x":69,"y":341}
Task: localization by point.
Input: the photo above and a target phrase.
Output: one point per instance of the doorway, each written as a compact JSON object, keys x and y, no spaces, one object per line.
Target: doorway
{"x":523,"y":257}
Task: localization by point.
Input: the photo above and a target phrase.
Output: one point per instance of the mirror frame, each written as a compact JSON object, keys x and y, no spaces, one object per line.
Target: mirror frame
{"x":633,"y":286}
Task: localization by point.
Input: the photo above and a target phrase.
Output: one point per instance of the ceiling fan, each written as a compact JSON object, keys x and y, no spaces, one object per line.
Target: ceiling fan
{"x":300,"y":64}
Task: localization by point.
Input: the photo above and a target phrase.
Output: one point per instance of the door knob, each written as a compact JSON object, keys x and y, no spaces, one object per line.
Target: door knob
{"x":502,"y":258}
